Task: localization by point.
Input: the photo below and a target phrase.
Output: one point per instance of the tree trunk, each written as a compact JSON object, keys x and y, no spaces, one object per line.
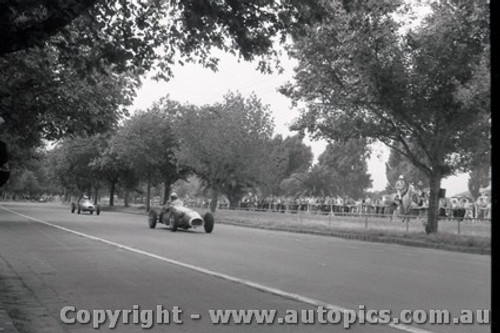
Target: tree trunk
{"x":126,"y":198}
{"x":433,"y":215}
{"x":112,"y":193}
{"x":215,"y":200}
{"x":234,"y":201}
{"x":148,"y":195}
{"x":166,"y":192}
{"x":96,"y":195}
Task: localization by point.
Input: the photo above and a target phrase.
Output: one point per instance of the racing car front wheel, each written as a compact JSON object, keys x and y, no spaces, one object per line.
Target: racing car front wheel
{"x":152,"y":219}
{"x":208,"y":225}
{"x":173,"y":222}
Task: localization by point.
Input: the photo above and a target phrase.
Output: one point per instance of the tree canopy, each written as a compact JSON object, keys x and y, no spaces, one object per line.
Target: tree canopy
{"x":25,"y":24}
{"x":145,"y":33}
{"x":223,"y":144}
{"x":285,"y":157}
{"x":398,"y":165}
{"x":73,"y":164}
{"x":70,"y":68}
{"x":147,"y":144}
{"x":44,"y":99}
{"x":316,"y":181}
{"x":347,"y":165}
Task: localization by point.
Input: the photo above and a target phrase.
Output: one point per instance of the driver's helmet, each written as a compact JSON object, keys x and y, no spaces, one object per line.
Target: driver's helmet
{"x":401,"y":177}
{"x":173,"y":196}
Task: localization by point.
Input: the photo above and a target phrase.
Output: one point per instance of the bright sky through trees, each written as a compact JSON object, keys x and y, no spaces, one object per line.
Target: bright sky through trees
{"x":196,"y":85}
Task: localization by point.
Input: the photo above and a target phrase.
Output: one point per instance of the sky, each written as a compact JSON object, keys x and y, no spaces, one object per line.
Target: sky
{"x":199,"y":86}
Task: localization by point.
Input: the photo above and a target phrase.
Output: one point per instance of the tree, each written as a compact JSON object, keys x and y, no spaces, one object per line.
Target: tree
{"x":147,"y":144}
{"x":225,"y":144}
{"x":129,"y":181}
{"x":73,"y":165}
{"x":171,"y":170}
{"x":422,"y":92}
{"x":317,"y":181}
{"x":480,"y":177}
{"x":30,"y":175}
{"x":285,"y":157}
{"x":42,"y":98}
{"x":347,"y":165}
{"x":109,"y":167}
{"x":299,"y":155}
{"x":398,"y":165}
{"x":191,"y":187}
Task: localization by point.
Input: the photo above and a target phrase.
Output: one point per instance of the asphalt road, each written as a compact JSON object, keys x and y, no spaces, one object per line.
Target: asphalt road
{"x":51,"y":259}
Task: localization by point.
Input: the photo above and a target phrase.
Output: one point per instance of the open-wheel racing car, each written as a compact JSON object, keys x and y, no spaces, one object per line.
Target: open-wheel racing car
{"x":85,"y":205}
{"x":180,"y":217}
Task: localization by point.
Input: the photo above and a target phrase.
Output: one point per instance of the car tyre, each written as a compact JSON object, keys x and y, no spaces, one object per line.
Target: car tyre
{"x":152,"y":219}
{"x":91,"y":212}
{"x":79,"y":210}
{"x":208,"y":225}
{"x":173,"y":223}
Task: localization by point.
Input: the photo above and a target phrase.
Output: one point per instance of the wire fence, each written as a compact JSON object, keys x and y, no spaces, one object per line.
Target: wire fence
{"x":458,"y":221}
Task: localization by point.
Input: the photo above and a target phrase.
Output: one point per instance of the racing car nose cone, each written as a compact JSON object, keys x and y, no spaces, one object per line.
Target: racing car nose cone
{"x":196,"y":222}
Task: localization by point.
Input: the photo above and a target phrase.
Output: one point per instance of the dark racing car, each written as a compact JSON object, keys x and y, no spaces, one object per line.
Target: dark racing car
{"x":180,"y":217}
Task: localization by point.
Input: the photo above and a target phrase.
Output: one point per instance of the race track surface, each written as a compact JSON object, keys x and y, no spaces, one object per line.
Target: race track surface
{"x":51,"y":259}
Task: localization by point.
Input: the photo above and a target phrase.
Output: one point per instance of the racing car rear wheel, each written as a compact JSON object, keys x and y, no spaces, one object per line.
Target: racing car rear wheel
{"x":152,"y":219}
{"x":173,"y":222}
{"x":79,"y":210}
{"x":209,"y":222}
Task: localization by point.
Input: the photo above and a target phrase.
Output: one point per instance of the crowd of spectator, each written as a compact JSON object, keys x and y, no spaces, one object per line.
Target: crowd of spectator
{"x":310,"y":204}
{"x":465,"y":208}
{"x":385,"y":205}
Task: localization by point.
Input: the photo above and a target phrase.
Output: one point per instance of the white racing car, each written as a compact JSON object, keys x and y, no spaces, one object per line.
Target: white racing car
{"x":85,"y":205}
{"x":180,"y":217}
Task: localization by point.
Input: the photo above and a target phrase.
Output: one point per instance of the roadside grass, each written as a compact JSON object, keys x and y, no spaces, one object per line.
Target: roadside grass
{"x":475,"y":234}
{"x":467,"y":235}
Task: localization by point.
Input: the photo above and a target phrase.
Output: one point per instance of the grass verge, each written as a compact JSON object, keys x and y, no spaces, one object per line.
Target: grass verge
{"x":473,"y":238}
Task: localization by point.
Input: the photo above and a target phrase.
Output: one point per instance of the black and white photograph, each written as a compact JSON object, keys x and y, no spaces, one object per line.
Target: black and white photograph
{"x":246,"y":166}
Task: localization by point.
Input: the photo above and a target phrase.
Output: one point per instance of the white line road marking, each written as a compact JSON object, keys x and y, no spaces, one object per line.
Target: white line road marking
{"x":248,"y":283}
